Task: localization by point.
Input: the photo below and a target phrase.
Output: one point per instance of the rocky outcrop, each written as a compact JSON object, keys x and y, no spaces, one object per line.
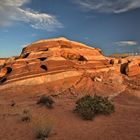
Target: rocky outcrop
{"x":133,"y":67}
{"x":59,"y":65}
{"x":2,"y":61}
{"x":55,"y":56}
{"x":129,"y":66}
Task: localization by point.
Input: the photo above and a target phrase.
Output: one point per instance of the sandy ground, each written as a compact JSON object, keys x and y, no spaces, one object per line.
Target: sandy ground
{"x":124,"y":124}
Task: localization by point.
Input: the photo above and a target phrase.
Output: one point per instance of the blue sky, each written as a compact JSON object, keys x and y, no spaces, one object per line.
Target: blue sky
{"x":112,"y":25}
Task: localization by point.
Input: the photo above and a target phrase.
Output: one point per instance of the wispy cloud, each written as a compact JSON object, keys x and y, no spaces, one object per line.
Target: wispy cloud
{"x":109,"y":6}
{"x":12,"y":10}
{"x":126,"y":43}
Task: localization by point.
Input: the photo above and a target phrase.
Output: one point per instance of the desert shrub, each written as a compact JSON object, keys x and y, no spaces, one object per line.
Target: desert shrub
{"x":26,"y":116}
{"x":47,"y":101}
{"x":85,"y":108}
{"x":88,"y":107}
{"x":43,"y":126}
{"x":102,"y":105}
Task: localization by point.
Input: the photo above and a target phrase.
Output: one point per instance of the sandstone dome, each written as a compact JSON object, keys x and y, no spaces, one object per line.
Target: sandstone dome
{"x":60,"y":65}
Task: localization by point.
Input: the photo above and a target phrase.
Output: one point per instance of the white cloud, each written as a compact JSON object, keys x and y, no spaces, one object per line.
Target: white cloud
{"x":126,"y":43}
{"x":12,"y":10}
{"x":109,"y":6}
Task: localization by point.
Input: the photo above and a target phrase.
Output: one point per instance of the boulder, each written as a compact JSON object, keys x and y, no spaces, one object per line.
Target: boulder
{"x":133,"y":67}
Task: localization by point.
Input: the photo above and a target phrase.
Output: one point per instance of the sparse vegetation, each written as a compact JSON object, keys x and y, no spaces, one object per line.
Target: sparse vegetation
{"x":88,"y":107}
{"x":26,"y":116}
{"x":42,"y":126}
{"x":47,"y":101}
{"x":103,"y":105}
{"x":84,"y":107}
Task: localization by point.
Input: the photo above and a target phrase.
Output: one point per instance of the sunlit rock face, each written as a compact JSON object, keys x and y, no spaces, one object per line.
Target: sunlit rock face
{"x":133,"y":67}
{"x":61,"y":66}
{"x":56,"y":55}
{"x":2,"y":61}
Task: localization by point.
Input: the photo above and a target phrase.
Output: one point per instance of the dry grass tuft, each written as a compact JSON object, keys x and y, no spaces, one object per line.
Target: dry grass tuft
{"x":26,"y":116}
{"x":42,"y":126}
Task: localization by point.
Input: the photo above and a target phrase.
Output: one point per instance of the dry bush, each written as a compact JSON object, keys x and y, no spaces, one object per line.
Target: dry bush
{"x":47,"y":101}
{"x":84,"y":107}
{"x":26,"y":116}
{"x":88,"y":107}
{"x":42,"y":126}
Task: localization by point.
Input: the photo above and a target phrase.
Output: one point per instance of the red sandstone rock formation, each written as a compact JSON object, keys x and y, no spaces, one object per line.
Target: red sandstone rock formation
{"x":57,"y":55}
{"x":60,"y":65}
{"x":2,"y":61}
{"x":129,"y":66}
{"x":133,"y":67}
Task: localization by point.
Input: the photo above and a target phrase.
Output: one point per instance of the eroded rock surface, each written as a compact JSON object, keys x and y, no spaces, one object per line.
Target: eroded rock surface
{"x":60,"y":65}
{"x":133,"y":67}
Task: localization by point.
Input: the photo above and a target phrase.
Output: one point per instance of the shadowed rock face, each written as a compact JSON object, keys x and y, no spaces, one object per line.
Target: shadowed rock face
{"x":60,"y":65}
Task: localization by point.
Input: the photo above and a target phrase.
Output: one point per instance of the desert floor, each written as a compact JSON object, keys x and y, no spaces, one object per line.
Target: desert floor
{"x":124,"y":124}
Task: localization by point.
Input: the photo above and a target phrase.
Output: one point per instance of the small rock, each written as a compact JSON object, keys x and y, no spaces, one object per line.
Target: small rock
{"x":98,"y":79}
